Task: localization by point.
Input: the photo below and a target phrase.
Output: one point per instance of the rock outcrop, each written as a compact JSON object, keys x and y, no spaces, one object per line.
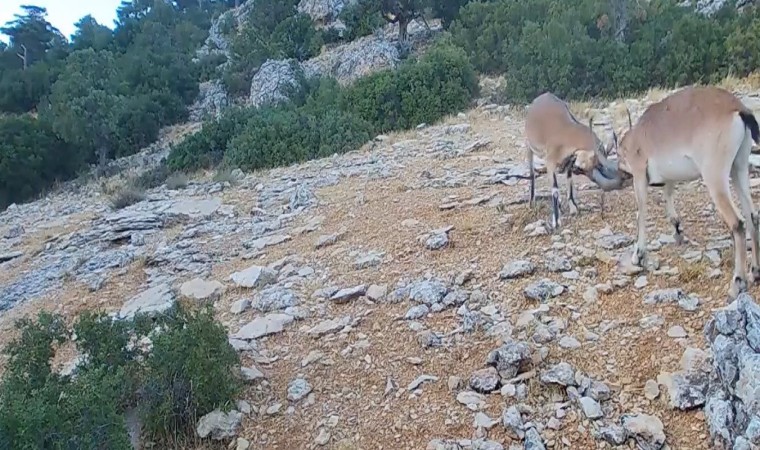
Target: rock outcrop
{"x":212,"y":99}
{"x":271,"y":82}
{"x":733,"y":396}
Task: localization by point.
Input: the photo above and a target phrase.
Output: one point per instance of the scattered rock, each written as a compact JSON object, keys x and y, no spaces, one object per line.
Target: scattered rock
{"x":254,"y":277}
{"x":485,"y":380}
{"x":219,"y":425}
{"x":417,"y":312}
{"x":472,"y":400}
{"x":199,"y":289}
{"x":328,"y":326}
{"x":240,"y":306}
{"x":348,"y":294}
{"x":561,"y":373}
{"x":517,"y":269}
{"x":510,"y":359}
{"x":153,"y":301}
{"x":262,"y":326}
{"x":543,"y":290}
{"x":651,"y":390}
{"x":664,"y":296}
{"x":646,"y":430}
{"x":275,"y":298}
{"x":419,"y":381}
{"x":251,"y":373}
{"x":298,"y":389}
{"x":591,"y":408}
{"x":677,"y":332}
{"x":377,"y":292}
{"x":733,"y":399}
{"x":513,"y":423}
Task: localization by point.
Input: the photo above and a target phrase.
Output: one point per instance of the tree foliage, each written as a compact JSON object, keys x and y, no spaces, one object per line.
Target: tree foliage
{"x":602,"y":47}
{"x":105,"y":94}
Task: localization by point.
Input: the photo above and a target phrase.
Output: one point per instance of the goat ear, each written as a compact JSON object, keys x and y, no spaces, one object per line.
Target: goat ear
{"x":628,"y":112}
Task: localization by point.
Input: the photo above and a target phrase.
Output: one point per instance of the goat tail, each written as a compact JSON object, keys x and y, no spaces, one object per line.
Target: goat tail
{"x":751,"y":122}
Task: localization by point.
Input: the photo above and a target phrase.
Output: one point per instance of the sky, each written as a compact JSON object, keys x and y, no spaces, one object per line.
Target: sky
{"x":63,"y":14}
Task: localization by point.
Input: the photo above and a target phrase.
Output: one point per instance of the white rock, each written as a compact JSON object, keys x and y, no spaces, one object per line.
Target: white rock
{"x":219,"y":425}
{"x":262,"y":326}
{"x":254,"y":277}
{"x":200,"y":289}
{"x":155,"y":300}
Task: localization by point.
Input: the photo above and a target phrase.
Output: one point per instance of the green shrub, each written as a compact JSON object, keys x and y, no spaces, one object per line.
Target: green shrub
{"x":441,"y":82}
{"x":281,"y":136}
{"x":206,"y":148}
{"x":322,"y":119}
{"x":188,"y":373}
{"x":40,"y":409}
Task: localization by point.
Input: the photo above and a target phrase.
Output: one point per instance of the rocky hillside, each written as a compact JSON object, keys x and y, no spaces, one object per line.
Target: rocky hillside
{"x":405,"y":296}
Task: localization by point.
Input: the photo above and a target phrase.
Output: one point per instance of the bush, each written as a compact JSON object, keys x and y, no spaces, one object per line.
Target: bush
{"x":151,"y":178}
{"x":177,"y":181}
{"x":41,"y":409}
{"x":188,"y":373}
{"x":206,"y":148}
{"x":127,"y":196}
{"x":283,"y":136}
{"x":442,"y":82}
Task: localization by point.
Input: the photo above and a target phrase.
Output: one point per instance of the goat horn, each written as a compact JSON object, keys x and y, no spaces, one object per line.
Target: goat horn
{"x":627,"y":111}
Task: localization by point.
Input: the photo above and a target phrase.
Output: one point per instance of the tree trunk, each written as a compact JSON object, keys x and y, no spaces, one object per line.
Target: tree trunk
{"x":403,"y":25}
{"x":620,"y":18}
{"x":23,"y":56}
{"x":102,"y":158}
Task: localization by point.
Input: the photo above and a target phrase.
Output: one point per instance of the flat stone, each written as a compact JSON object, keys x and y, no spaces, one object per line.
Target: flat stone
{"x":517,"y":269}
{"x":561,"y":373}
{"x":153,"y":301}
{"x":348,"y":294}
{"x":5,"y":257}
{"x":240,"y":306}
{"x":329,"y":326}
{"x":677,"y":332}
{"x":262,"y":326}
{"x":472,"y":400}
{"x":254,"y":277}
{"x":201,"y":290}
{"x":591,"y":408}
{"x":377,"y":292}
{"x":251,"y":373}
{"x":543,"y":289}
{"x":268,"y":241}
{"x":195,"y":208}
{"x":419,"y":381}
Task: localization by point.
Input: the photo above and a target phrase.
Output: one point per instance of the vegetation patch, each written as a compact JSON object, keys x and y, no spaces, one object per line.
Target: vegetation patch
{"x":173,"y":370}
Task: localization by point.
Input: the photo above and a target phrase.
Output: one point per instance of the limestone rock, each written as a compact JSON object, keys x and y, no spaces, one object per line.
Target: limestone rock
{"x":155,"y":300}
{"x":201,"y":290}
{"x":219,"y":425}
{"x":254,"y":277}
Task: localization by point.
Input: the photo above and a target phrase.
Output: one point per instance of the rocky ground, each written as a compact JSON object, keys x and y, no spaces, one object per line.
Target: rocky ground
{"x":405,"y":297}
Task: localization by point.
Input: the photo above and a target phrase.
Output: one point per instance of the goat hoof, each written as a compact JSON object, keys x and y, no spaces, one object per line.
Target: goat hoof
{"x":573,"y":210}
{"x":737,"y":287}
{"x":755,"y":275}
{"x":679,"y":238}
